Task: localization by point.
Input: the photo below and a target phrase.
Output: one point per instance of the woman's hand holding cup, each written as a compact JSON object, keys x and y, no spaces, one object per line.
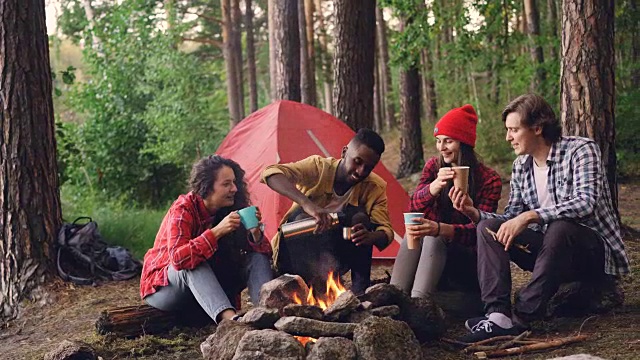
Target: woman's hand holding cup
{"x":227,"y":225}
{"x":444,"y":175}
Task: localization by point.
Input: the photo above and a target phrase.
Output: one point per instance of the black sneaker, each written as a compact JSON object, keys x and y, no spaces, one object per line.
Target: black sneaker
{"x":486,"y":329}
{"x":473,"y":322}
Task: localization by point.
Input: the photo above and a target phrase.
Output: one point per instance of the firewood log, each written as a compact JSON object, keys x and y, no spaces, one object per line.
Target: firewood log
{"x":134,"y":321}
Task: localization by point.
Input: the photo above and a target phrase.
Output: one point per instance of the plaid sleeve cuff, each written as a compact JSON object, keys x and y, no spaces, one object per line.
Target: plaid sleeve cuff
{"x":546,"y":215}
{"x":209,"y":245}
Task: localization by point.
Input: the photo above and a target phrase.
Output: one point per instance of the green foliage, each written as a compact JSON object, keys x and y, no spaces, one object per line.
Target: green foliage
{"x":150,"y":110}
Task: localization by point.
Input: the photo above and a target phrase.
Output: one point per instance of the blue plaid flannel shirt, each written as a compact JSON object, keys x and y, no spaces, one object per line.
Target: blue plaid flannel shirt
{"x":580,"y":192}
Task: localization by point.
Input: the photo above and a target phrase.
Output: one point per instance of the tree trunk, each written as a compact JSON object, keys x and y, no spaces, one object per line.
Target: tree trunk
{"x":284,"y":49}
{"x":325,"y":58}
{"x":533,"y":32}
{"x":305,"y":87}
{"x":386,"y":84}
{"x":377,"y":103}
{"x":411,"y":137}
{"x":552,"y":16}
{"x":587,"y":78}
{"x":251,"y":57}
{"x":237,"y":47}
{"x":30,"y":200}
{"x":429,"y":87}
{"x":355,"y":28}
{"x":635,"y":49}
{"x":88,"y":11}
{"x":308,"y":71}
{"x":230,"y":63}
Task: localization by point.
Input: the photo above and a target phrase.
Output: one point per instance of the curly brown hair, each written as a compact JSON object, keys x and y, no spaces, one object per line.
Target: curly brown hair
{"x":204,"y":174}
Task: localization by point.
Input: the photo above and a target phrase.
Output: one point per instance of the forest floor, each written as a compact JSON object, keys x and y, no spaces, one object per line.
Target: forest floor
{"x":73,"y":310}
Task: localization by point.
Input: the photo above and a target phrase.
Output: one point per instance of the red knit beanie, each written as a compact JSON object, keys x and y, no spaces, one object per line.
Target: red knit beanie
{"x":459,"y":124}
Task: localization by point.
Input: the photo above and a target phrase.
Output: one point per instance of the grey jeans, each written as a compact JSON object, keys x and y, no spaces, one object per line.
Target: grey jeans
{"x":435,"y":265}
{"x":200,"y":286}
{"x":418,"y":271}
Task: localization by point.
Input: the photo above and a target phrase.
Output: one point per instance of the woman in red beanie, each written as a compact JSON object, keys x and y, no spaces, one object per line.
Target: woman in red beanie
{"x":446,"y":254}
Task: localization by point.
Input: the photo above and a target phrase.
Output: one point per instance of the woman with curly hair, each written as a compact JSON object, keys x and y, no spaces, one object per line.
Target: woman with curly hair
{"x":202,"y":254}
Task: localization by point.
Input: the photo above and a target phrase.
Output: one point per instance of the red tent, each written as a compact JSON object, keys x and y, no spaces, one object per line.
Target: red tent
{"x":287,"y":131}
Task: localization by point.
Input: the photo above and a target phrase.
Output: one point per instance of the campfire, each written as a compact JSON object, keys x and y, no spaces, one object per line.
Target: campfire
{"x":334,"y":289}
{"x":292,"y":321}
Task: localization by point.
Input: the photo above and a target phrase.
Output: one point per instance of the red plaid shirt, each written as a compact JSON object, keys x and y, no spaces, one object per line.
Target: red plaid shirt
{"x":488,"y":187}
{"x":184,"y":241}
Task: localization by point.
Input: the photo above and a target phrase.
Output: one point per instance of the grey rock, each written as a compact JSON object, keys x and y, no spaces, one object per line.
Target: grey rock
{"x":383,"y":294}
{"x":582,"y":298}
{"x":269,"y":345}
{"x":386,"y":311}
{"x":261,"y":318}
{"x":382,"y":338}
{"x":344,"y":305}
{"x":222,"y":344}
{"x":366,"y":305}
{"x":459,"y":303}
{"x":358,"y":316}
{"x":71,"y":350}
{"x":333,"y":348}
{"x":279,"y":292}
{"x":306,"y":311}
{"x":424,"y":317}
{"x":314,"y":328}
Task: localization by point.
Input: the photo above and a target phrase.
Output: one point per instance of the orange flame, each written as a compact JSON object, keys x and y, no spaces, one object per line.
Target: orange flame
{"x":334,"y":289}
{"x":305,"y":339}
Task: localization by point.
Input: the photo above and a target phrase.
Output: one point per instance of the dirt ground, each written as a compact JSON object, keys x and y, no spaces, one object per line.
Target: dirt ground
{"x":73,"y":310}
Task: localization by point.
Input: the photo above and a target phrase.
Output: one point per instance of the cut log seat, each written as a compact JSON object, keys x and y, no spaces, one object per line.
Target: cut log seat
{"x":137,"y":320}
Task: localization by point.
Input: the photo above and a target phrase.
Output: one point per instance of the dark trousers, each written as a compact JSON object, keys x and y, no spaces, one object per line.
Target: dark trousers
{"x":565,"y":252}
{"x":313,"y":256}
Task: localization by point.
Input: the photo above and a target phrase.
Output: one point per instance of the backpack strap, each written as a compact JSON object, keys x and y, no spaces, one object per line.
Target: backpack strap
{"x":66,"y":277}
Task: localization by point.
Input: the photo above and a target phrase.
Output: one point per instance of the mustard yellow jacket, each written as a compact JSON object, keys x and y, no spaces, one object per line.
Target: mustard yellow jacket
{"x":314,"y":177}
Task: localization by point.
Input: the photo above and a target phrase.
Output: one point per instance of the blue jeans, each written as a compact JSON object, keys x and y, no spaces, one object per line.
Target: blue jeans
{"x":200,"y":286}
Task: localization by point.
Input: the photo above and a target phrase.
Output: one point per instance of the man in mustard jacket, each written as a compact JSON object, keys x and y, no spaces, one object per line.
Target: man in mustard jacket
{"x":319,"y":186}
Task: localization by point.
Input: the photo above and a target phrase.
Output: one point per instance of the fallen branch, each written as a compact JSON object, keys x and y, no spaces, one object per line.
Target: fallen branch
{"x":481,"y":345}
{"x":530,"y":348}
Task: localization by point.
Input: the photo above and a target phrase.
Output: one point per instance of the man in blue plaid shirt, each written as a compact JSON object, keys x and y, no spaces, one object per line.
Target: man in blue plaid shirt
{"x":559,"y":224}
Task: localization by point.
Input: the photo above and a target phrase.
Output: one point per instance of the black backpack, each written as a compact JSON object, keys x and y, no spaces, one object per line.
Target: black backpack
{"x":84,"y":257}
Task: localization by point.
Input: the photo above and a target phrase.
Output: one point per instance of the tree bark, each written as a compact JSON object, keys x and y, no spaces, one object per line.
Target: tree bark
{"x":230,"y":63}
{"x":378,"y":108}
{"x":635,"y":49}
{"x":325,"y":59}
{"x":30,"y":214}
{"x":429,"y":87}
{"x":284,"y":49}
{"x":411,"y":153}
{"x":237,"y":47}
{"x":587,"y":78}
{"x":355,"y":26}
{"x":88,"y":11}
{"x":533,"y":32}
{"x":309,"y":91}
{"x":251,"y":57}
{"x":552,"y":16}
{"x":305,"y":67}
{"x":386,"y":84}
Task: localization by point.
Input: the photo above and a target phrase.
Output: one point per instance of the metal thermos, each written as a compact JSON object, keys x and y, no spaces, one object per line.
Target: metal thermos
{"x":304,"y":226}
